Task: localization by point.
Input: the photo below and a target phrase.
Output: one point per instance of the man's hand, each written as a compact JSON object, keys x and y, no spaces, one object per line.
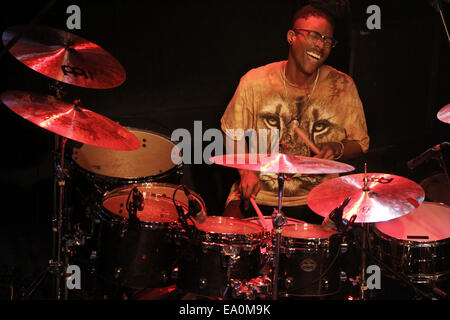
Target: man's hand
{"x":249,"y":186}
{"x":329,"y":150}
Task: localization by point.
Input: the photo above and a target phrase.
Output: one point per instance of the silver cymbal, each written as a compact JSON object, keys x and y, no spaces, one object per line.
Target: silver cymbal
{"x":385,"y":197}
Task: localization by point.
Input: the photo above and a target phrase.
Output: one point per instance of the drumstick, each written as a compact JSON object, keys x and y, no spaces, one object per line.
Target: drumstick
{"x":259,"y":213}
{"x":305,"y":138}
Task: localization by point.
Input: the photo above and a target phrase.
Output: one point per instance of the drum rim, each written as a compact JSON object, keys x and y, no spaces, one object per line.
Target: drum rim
{"x":335,"y":232}
{"x":222,"y":236}
{"x":115,"y":218}
{"x":430,"y":243}
{"x":143,"y":178}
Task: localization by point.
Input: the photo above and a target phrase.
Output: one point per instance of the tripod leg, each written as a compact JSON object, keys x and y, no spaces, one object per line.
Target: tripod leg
{"x":28,"y":292}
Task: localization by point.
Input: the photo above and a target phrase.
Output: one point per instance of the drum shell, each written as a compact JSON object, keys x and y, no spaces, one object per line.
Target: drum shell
{"x":309,"y":266}
{"x":140,"y":254}
{"x":133,"y":255}
{"x":209,"y":260}
{"x":420,"y":261}
{"x":417,"y":244}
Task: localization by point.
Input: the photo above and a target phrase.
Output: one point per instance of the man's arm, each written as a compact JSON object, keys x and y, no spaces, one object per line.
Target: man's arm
{"x":249,"y":184}
{"x":346,"y":150}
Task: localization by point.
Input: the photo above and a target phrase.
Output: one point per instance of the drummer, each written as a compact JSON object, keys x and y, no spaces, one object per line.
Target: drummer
{"x":320,"y":100}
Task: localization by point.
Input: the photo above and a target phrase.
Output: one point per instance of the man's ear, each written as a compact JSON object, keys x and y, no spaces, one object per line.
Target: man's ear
{"x":290,"y":36}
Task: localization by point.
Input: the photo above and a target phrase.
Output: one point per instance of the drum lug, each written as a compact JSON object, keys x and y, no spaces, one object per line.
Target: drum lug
{"x":174,"y":274}
{"x":289,"y":282}
{"x":117,"y":272}
{"x":203,"y":282}
{"x":290,"y":252}
{"x":123,"y":231}
{"x":164,"y":276}
{"x":325,"y":284}
{"x":344,"y":247}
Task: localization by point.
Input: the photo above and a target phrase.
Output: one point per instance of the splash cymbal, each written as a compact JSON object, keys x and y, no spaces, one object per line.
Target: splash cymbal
{"x":70,"y":121}
{"x":65,"y":57}
{"x":384,"y":197}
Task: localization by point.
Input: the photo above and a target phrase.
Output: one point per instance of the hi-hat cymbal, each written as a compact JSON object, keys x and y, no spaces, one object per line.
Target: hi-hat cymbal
{"x":65,"y":57}
{"x":386,"y":197}
{"x":281,"y":163}
{"x":70,"y":121}
{"x":444,"y":114}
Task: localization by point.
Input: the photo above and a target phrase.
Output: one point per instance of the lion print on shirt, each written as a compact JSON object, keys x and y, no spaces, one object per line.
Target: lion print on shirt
{"x":315,"y":119}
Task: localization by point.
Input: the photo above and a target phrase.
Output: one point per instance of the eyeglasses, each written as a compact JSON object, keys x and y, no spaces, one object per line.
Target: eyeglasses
{"x":314,"y":36}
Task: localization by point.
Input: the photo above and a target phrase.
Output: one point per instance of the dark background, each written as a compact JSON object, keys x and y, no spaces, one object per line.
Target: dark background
{"x":183,"y":62}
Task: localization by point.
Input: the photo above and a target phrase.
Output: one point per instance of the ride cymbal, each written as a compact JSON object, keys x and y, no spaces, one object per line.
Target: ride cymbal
{"x":65,"y":57}
{"x":70,"y":121}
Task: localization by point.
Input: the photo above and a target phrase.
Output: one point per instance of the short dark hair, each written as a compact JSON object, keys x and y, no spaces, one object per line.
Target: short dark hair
{"x":314,"y":9}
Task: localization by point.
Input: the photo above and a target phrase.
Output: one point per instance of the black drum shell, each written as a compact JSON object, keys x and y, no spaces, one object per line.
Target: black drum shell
{"x":420,"y":261}
{"x":206,"y":260}
{"x":135,"y":255}
{"x":310,"y":267}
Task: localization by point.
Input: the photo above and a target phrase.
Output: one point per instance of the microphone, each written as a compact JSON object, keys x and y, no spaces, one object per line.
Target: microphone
{"x":134,"y":204}
{"x":413,"y":163}
{"x":195,"y":209}
{"x":138,"y":199}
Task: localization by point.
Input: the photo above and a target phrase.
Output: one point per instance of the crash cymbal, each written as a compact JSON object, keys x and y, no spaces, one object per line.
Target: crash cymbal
{"x":281,"y":163}
{"x":385,"y":197}
{"x":70,"y":121}
{"x":65,"y":57}
{"x":444,"y":114}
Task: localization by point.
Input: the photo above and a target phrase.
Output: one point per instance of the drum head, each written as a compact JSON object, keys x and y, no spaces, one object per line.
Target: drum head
{"x":268,"y":219}
{"x":227,"y":225}
{"x":158,"y":202}
{"x":153,"y":158}
{"x":429,"y":222}
{"x":306,"y":231}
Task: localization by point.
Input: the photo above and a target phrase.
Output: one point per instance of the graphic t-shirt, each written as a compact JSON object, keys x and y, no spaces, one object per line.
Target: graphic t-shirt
{"x":265,"y":99}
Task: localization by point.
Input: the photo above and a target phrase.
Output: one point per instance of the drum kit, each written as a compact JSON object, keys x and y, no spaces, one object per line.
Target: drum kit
{"x":152,"y":232}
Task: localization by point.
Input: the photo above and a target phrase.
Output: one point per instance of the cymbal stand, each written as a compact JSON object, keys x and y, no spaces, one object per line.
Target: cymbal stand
{"x":278,"y":221}
{"x":60,"y":184}
{"x":56,"y":267}
{"x":365,"y":252}
{"x":365,"y":230}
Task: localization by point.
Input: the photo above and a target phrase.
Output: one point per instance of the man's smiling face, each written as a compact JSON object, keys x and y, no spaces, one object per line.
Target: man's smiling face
{"x":309,"y":55}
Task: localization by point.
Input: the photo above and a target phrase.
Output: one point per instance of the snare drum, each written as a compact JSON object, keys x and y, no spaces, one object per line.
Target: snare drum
{"x":308,"y":261}
{"x":140,"y":254}
{"x":108,"y":169}
{"x":417,"y":244}
{"x":216,"y":251}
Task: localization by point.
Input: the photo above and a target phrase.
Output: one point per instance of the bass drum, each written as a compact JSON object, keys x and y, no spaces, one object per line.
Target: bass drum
{"x":417,"y":244}
{"x":140,"y":254}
